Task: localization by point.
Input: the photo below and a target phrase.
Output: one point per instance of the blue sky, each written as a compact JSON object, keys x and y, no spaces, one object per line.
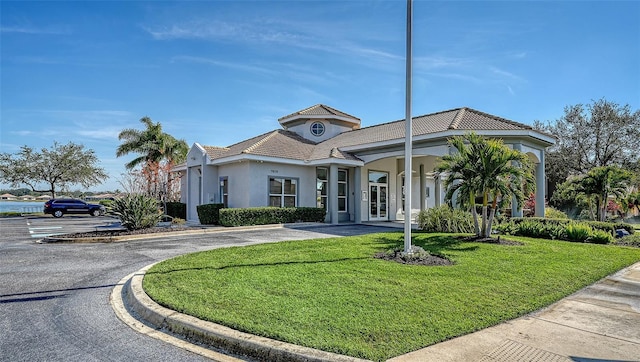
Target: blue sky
{"x":217,"y":72}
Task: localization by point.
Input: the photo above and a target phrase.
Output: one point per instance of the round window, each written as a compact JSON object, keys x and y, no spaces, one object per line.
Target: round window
{"x":317,"y":128}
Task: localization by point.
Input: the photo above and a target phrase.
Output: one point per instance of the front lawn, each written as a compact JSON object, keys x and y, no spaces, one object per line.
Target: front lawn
{"x":331,"y":294}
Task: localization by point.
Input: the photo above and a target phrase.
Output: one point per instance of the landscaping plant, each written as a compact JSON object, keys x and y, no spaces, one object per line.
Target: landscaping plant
{"x":489,"y":170}
{"x":137,"y":211}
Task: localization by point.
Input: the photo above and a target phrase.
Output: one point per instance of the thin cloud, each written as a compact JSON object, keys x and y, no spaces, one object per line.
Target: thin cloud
{"x":506,"y":74}
{"x":223,"y":64}
{"x":34,"y":30}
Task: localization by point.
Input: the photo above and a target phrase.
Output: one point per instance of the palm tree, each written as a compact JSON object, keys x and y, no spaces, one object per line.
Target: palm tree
{"x":156,"y":149}
{"x":486,"y":169}
{"x":600,"y":183}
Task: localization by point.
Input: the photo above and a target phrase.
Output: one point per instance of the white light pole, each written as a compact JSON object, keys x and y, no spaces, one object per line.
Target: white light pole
{"x":408,"y":136}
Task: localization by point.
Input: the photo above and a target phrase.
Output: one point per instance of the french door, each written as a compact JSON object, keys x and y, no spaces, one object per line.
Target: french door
{"x":378,"y":206}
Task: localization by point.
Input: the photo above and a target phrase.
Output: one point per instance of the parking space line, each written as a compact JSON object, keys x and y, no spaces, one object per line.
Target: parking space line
{"x":44,"y":231}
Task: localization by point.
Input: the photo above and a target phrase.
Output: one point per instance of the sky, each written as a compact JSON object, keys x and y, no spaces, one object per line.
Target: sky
{"x":218,"y":72}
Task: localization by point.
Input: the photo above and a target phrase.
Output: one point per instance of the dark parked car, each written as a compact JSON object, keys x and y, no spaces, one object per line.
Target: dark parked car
{"x":59,"y":207}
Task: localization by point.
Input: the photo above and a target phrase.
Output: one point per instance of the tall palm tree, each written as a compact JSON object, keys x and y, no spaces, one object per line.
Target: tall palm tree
{"x":486,"y":169}
{"x":600,"y":183}
{"x":155,"y":148}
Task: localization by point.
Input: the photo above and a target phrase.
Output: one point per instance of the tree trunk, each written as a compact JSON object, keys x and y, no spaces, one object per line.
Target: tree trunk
{"x":485,"y":202}
{"x":474,"y":212}
{"x":491,"y":217}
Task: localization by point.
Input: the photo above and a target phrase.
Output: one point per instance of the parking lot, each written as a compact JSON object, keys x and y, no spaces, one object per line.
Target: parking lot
{"x":54,"y":298}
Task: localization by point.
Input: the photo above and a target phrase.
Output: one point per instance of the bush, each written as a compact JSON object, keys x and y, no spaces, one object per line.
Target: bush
{"x":176,"y":209}
{"x":444,"y":219}
{"x":578,"y":232}
{"x":625,"y":226}
{"x":629,"y":240}
{"x":551,"y":213}
{"x":538,"y":228}
{"x":209,"y":214}
{"x":137,"y":211}
{"x":270,"y":215}
{"x":108,"y":205}
{"x":600,"y":237}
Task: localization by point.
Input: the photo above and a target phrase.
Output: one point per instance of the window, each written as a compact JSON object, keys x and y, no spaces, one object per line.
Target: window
{"x":322,"y":184}
{"x":378,"y":177}
{"x":224,"y":191}
{"x":343,"y":190}
{"x":282,"y":192}
{"x":317,"y":129}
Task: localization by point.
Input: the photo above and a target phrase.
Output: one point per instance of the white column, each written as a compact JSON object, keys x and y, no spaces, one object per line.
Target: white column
{"x":540,"y":186}
{"x":357,"y":197}
{"x":423,"y":186}
{"x":333,"y":194}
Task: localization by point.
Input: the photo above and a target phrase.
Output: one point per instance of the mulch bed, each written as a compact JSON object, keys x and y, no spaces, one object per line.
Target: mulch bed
{"x":498,"y":240}
{"x":419,"y":257}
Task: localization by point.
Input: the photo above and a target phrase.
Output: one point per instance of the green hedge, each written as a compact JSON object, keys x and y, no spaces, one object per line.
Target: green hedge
{"x":209,"y":214}
{"x":597,"y":225}
{"x":176,"y":209}
{"x":591,"y":231}
{"x":270,"y":215}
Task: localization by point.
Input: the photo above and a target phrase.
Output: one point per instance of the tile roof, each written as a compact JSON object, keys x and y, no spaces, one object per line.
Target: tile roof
{"x":278,"y":143}
{"x":289,"y":145}
{"x":319,"y":110}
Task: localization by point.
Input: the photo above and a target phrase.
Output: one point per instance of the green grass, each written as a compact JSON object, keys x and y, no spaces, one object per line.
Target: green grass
{"x":333,"y":295}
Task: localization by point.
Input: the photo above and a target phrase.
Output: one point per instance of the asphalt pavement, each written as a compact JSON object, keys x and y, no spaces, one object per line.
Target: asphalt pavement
{"x":54,"y":298}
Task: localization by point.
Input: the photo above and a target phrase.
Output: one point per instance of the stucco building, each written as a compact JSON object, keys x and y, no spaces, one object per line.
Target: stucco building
{"x":323,"y":157}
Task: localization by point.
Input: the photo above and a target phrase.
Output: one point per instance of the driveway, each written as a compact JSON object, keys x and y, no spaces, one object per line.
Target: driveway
{"x":54,"y":298}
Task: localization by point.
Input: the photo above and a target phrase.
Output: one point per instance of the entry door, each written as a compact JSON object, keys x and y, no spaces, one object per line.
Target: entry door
{"x":378,"y":201}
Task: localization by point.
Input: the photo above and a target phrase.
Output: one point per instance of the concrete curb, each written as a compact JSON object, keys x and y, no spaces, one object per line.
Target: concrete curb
{"x":202,"y":230}
{"x":128,"y":295}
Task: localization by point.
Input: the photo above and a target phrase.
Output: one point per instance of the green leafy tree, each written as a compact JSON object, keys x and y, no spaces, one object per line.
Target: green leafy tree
{"x":157,"y":152}
{"x":51,"y":169}
{"x":485,"y":169}
{"x":601,"y":183}
{"x":599,"y":134}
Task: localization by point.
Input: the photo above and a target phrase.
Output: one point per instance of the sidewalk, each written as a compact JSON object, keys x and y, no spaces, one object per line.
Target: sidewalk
{"x":598,"y":323}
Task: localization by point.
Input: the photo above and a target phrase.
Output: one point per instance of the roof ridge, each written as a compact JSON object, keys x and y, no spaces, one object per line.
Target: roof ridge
{"x":216,"y":147}
{"x":329,"y":109}
{"x":525,"y":126}
{"x":457,"y":119}
{"x":267,"y":137}
{"x":337,"y":112}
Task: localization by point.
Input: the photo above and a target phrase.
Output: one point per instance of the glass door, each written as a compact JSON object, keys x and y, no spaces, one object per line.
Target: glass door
{"x":377,"y":201}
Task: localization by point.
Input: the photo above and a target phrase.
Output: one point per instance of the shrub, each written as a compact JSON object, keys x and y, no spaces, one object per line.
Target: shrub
{"x":176,"y":209}
{"x":270,"y":215}
{"x":604,"y":226}
{"x":578,"y":232}
{"x":625,"y":226}
{"x":310,"y":214}
{"x":137,"y":211}
{"x":108,"y":205}
{"x":178,"y":221}
{"x":600,"y":237}
{"x":506,"y":227}
{"x":209,"y":214}
{"x":551,"y":213}
{"x":445,"y":219}
{"x":539,"y":227}
{"x":629,"y":240}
